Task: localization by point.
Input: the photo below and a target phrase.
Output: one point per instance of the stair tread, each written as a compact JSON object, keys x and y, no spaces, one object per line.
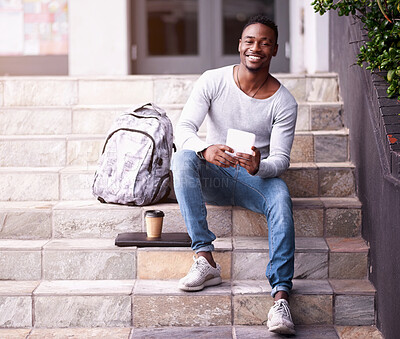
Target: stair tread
{"x":329,"y":202}
{"x":303,"y":244}
{"x":221,"y":332}
{"x":348,"y":245}
{"x":241,"y":243}
{"x":147,"y":287}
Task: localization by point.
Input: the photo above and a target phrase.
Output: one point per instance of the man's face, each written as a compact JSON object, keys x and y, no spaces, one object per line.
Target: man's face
{"x":257,"y":47}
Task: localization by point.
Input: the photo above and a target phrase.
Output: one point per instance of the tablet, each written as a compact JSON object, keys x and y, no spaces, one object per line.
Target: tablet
{"x":240,"y":141}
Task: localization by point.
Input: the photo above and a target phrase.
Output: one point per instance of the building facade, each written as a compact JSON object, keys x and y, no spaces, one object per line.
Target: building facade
{"x":123,"y":37}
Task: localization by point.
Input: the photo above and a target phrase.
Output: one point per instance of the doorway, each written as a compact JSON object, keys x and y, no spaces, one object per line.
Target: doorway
{"x":191,"y":36}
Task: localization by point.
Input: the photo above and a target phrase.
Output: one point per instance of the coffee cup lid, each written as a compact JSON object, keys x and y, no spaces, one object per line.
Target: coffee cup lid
{"x":154,"y":213}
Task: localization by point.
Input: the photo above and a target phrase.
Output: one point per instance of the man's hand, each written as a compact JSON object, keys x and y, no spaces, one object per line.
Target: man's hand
{"x":250,"y":162}
{"x":216,"y":155}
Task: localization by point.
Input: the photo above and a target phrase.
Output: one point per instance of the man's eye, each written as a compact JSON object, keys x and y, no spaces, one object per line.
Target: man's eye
{"x":248,"y":41}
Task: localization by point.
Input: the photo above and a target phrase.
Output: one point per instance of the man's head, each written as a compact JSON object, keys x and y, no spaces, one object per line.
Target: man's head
{"x":258,"y":43}
{"x":264,"y":20}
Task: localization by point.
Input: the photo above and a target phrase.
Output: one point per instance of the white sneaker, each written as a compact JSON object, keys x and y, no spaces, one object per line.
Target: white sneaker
{"x":280,"y":319}
{"x":201,"y":274}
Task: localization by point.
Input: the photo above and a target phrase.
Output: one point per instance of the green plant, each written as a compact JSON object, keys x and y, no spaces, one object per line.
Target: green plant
{"x":381,"y":19}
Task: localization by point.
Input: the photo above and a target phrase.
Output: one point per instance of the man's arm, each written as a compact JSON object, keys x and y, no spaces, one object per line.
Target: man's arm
{"x":193,"y":115}
{"x":281,"y":141}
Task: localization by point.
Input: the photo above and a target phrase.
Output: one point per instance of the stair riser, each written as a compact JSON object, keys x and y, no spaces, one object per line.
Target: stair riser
{"x":63,"y":152}
{"x":89,"y":265}
{"x":224,"y":221}
{"x":137,"y":89}
{"x":23,"y":186}
{"x":15,"y":311}
{"x":305,"y":309}
{"x":149,"y":304}
{"x":155,"y":311}
{"x":150,"y":311}
{"x":161,"y":265}
{"x":98,"y":119}
{"x":76,"y":185}
{"x":82,"y":311}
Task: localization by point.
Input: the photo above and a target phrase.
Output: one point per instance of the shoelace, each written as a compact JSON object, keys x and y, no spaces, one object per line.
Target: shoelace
{"x":198,"y":266}
{"x":282,"y":308}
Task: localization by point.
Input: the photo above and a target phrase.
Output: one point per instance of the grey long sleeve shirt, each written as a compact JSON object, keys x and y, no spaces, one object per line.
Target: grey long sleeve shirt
{"x":272,"y":120}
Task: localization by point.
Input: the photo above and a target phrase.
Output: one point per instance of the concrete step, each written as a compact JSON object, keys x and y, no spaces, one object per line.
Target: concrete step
{"x":97,"y":119}
{"x":100,"y":259}
{"x":305,"y":180}
{"x":144,"y":304}
{"x":314,"y":217}
{"x":129,"y":90}
{"x":220,"y":332}
{"x":85,"y":149}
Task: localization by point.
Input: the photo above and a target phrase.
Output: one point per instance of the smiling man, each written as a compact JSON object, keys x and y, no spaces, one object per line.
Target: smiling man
{"x":248,"y":98}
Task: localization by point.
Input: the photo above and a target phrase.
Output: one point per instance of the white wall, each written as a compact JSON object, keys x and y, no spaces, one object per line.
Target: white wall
{"x":296,"y":13}
{"x":309,"y":38}
{"x":98,"y":37}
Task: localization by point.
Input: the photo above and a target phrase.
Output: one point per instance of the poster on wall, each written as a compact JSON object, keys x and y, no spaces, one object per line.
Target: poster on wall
{"x":11,"y":27}
{"x":33,"y":27}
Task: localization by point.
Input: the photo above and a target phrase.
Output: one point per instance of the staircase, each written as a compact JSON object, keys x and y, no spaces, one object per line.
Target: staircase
{"x":61,"y":273}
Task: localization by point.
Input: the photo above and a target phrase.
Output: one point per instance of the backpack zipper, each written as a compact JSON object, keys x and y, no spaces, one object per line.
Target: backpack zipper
{"x":141,"y":116}
{"x":138,"y":131}
{"x":159,"y":186}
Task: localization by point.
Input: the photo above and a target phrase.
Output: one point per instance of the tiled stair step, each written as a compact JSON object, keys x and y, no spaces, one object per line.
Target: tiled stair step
{"x":313,"y":217}
{"x":97,"y":119}
{"x":128,"y":90}
{"x":100,"y":259}
{"x":154,"y":303}
{"x":311,"y":179}
{"x":84,"y":150}
{"x":207,"y":332}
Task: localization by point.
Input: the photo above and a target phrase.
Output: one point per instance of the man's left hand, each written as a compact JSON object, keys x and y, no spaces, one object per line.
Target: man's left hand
{"x":250,"y":162}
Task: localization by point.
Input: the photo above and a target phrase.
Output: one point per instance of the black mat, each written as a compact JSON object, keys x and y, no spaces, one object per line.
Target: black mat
{"x":139,"y":239}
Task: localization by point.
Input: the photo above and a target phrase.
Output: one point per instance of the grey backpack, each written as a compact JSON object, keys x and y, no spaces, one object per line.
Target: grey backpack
{"x":134,"y":168}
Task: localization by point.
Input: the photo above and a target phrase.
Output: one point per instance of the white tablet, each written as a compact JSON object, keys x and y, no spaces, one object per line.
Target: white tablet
{"x":240,"y":141}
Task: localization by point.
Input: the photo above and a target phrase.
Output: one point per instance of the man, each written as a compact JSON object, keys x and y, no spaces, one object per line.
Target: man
{"x":245,"y":97}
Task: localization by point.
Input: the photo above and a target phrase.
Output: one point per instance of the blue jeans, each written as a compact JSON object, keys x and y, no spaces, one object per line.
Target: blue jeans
{"x":197,"y":182}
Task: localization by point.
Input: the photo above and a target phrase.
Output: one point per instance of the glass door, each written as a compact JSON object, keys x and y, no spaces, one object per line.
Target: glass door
{"x":232,"y":15}
{"x":191,"y":36}
{"x":170,"y":36}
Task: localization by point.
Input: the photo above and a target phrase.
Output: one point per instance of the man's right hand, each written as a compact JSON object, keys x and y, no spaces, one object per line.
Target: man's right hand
{"x":216,"y":155}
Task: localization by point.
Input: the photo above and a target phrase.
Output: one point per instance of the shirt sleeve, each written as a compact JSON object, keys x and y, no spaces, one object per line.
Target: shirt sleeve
{"x":281,"y":141}
{"x":193,"y":115}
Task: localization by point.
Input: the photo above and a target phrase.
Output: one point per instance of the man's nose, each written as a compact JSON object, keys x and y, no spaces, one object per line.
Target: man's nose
{"x":255,"y":46}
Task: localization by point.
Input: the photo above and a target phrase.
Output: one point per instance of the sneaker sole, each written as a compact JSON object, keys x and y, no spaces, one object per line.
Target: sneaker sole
{"x":281,"y":329}
{"x":211,"y":282}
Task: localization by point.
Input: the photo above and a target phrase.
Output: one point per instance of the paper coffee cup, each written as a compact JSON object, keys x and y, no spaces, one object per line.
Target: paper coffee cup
{"x":154,"y":222}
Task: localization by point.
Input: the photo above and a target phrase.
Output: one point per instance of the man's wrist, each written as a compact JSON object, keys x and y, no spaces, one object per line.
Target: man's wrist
{"x":256,"y":171}
{"x":200,"y":154}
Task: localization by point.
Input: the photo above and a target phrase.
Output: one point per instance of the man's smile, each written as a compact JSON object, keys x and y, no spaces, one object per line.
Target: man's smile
{"x":253,"y":57}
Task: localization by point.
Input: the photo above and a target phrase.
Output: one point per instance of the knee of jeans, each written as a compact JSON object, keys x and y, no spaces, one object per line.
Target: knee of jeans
{"x":183,"y":159}
{"x":280,"y":201}
{"x":281,"y":192}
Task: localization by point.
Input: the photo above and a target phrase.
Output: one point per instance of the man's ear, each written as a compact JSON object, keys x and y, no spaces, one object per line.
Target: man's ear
{"x":240,"y":41}
{"x":275,"y":50}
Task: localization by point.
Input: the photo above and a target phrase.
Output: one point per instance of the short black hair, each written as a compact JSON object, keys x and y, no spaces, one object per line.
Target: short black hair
{"x":264,"y":20}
